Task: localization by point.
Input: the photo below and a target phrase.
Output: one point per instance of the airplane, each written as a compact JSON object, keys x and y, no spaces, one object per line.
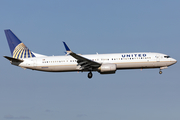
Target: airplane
{"x":23,"y":57}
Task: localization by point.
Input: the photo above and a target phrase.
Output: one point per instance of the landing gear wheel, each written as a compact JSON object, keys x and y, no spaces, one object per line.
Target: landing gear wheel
{"x":90,"y":75}
{"x":160,"y":72}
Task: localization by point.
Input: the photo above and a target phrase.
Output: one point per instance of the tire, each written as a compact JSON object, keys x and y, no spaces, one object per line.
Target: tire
{"x":90,"y":75}
{"x":160,"y":72}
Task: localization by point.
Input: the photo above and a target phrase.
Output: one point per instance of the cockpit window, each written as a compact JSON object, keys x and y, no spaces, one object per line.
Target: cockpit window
{"x":166,"y":56}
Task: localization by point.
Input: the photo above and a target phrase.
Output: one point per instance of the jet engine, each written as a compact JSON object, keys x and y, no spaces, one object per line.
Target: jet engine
{"x":108,"y":68}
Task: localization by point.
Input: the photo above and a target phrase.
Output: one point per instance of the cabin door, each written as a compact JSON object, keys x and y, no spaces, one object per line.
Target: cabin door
{"x":157,"y":58}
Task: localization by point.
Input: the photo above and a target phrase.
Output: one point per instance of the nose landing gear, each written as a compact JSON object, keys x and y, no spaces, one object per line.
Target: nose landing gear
{"x":161,"y":68}
{"x":90,"y":75}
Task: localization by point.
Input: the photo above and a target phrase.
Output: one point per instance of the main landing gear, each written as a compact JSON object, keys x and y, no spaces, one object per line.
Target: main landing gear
{"x":90,"y":75}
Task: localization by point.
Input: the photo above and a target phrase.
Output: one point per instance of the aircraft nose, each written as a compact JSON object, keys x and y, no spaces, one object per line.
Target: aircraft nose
{"x":174,"y":60}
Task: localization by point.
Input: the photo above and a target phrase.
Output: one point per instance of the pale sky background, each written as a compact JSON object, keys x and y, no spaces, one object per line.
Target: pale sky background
{"x":88,"y":27}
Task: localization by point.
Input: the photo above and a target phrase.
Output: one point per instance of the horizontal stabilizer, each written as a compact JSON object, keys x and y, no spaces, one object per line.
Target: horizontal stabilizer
{"x":13,"y":59}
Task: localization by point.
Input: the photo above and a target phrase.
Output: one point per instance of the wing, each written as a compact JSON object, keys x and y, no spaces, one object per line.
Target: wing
{"x":85,"y":63}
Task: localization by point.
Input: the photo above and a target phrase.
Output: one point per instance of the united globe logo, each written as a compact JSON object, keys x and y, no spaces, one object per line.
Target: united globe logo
{"x":21,"y":51}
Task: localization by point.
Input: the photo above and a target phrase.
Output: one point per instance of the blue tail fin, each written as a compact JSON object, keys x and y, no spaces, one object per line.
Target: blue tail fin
{"x":17,"y":48}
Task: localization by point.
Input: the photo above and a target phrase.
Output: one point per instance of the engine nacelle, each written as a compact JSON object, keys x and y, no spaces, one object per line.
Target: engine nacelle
{"x":108,"y":68}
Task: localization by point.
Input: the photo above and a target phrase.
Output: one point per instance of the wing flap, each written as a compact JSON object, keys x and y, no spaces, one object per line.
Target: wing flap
{"x":83,"y":60}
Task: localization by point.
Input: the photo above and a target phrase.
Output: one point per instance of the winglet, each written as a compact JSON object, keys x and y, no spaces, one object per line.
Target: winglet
{"x":67,"y":48}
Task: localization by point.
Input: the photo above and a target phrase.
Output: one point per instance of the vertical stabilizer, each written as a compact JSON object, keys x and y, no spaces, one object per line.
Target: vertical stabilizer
{"x":17,"y":48}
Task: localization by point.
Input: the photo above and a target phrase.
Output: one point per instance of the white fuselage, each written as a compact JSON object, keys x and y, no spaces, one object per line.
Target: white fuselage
{"x":122,"y":61}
